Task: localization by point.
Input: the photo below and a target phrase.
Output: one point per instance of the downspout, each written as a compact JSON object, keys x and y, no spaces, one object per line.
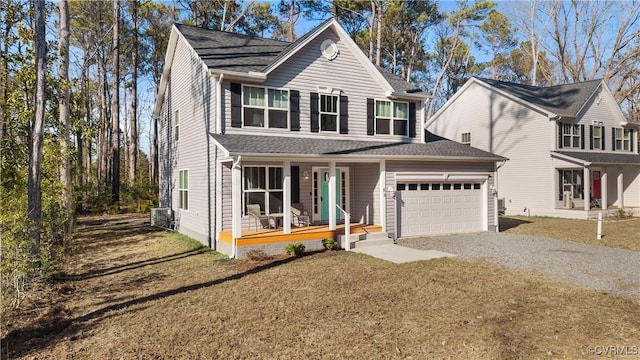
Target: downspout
{"x":495,"y":205}
{"x":215,"y":156}
{"x":234,"y":245}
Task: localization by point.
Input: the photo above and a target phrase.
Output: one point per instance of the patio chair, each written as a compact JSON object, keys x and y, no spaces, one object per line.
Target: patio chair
{"x":259,"y":218}
{"x":299,"y":216}
{"x":596,"y":202}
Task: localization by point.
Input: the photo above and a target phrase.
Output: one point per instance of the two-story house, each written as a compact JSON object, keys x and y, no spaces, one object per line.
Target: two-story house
{"x":571,"y":150}
{"x":256,"y":132}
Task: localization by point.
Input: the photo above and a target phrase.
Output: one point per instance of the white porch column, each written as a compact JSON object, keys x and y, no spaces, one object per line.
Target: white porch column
{"x":620,"y":188}
{"x":332,"y":195}
{"x":586,"y":189}
{"x":286,"y":198}
{"x":604,"y":196}
{"x":236,"y":204}
{"x":382,"y":184}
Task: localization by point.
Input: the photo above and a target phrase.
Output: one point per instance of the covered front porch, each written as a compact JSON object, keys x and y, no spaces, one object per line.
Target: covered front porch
{"x":594,"y":182}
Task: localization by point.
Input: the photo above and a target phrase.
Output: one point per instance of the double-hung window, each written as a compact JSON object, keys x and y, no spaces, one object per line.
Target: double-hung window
{"x":183,"y":190}
{"x":597,"y":137}
{"x":623,"y":139}
{"x":571,"y":135}
{"x":392,"y":118}
{"x":265,"y":107}
{"x":570,"y":181}
{"x":328,"y":112}
{"x":466,"y":138}
{"x":263,"y":186}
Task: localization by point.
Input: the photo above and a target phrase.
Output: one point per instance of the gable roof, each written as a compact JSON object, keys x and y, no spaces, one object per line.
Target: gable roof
{"x":230,"y":51}
{"x":272,"y":146}
{"x":564,"y":100}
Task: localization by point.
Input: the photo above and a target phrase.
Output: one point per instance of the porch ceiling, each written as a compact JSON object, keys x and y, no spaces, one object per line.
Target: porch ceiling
{"x":597,"y":158}
{"x":257,"y":145}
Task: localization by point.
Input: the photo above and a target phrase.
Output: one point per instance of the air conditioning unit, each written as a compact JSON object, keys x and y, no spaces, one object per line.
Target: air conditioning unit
{"x":161,"y":217}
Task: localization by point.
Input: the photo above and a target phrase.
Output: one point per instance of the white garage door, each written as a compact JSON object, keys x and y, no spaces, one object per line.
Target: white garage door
{"x":439,"y":208}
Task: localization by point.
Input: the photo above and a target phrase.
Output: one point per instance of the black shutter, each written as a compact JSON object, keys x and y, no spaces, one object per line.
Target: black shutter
{"x":315,"y":122}
{"x":582,"y":136}
{"x":559,"y":135}
{"x":295,"y":184}
{"x":602,"y":139}
{"x":344,"y":115}
{"x":236,"y":105}
{"x":370,"y":119}
{"x":591,"y":137}
{"x":613,"y":139}
{"x":294,"y":107}
{"x":412,"y":120}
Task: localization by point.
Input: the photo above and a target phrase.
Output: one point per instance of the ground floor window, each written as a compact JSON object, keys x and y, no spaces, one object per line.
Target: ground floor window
{"x":183,"y":190}
{"x":263,"y":186}
{"x":570,"y":181}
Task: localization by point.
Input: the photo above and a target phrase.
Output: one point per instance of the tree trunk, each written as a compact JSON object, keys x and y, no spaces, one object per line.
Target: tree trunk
{"x":63,"y":107}
{"x":372,"y":20}
{"x":133,"y":136}
{"x":37,"y":129}
{"x":379,"y":38}
{"x":115,"y":105}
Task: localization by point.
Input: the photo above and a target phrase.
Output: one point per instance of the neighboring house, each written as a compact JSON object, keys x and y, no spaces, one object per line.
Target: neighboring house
{"x":253,"y":121}
{"x":571,"y":151}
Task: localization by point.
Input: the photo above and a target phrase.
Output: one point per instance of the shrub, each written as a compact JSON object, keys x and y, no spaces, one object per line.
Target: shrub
{"x":330,"y":244}
{"x":620,"y":214}
{"x":296,"y":249}
{"x":257,"y":255}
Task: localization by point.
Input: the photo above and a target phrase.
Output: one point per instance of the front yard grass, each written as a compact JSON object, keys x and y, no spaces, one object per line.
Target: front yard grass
{"x":616,"y":233}
{"x":130,"y":292}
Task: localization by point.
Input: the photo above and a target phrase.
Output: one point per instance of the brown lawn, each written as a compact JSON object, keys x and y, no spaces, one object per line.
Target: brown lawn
{"x":617,"y":233}
{"x":130,"y":292}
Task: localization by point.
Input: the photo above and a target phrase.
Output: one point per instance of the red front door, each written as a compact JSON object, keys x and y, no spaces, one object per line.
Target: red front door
{"x":595,"y":185}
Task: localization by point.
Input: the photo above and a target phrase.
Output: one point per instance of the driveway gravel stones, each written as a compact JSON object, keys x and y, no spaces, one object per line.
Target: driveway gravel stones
{"x":607,"y":269}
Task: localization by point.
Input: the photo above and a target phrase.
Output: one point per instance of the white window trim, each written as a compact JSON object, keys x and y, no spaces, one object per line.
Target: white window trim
{"x":571,"y":135}
{"x":572,"y":184}
{"x":266,"y":190}
{"x":593,"y":137}
{"x":391,"y":119}
{"x":462,"y":138}
{"x":180,"y":190}
{"x":266,"y":107}
{"x":332,"y":93}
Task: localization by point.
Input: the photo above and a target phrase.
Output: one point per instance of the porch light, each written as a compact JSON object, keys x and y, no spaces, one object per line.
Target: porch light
{"x":305,"y":174}
{"x":389,"y":192}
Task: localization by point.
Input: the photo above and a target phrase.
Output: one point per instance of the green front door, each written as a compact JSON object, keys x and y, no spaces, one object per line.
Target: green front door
{"x":324,"y":193}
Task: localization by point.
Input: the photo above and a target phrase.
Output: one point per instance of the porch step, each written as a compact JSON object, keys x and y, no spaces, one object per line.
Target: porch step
{"x":367,"y":239}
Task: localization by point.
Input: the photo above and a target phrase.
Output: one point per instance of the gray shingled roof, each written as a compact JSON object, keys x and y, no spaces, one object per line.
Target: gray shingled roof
{"x":291,"y":146}
{"x":603,"y":158}
{"x":242,"y":53}
{"x":230,"y":51}
{"x":564,"y":100}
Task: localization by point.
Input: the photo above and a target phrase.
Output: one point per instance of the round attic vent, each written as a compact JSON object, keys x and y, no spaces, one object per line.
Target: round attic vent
{"x":329,"y":49}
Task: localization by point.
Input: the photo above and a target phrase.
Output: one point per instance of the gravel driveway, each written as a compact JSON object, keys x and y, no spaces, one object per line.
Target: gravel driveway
{"x":611,"y":270}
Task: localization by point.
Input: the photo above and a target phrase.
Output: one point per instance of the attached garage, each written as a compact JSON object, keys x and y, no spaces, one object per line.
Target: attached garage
{"x":437,"y":207}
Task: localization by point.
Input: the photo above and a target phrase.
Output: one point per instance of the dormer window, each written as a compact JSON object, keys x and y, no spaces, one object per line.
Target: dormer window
{"x":571,"y":134}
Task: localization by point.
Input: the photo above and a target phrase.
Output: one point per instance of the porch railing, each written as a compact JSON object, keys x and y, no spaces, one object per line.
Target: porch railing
{"x":347,"y":228}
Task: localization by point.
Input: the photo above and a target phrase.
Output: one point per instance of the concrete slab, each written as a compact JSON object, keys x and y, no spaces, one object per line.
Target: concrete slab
{"x":400,"y":254}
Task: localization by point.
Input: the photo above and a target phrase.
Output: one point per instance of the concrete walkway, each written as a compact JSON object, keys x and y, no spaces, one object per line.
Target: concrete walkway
{"x":400,"y":254}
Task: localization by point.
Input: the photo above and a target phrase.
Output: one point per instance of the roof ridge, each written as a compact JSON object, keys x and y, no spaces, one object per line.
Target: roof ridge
{"x":232,"y":33}
{"x":540,"y":87}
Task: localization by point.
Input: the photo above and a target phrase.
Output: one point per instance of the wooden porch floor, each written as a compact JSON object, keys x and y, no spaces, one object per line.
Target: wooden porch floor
{"x":313,"y":232}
